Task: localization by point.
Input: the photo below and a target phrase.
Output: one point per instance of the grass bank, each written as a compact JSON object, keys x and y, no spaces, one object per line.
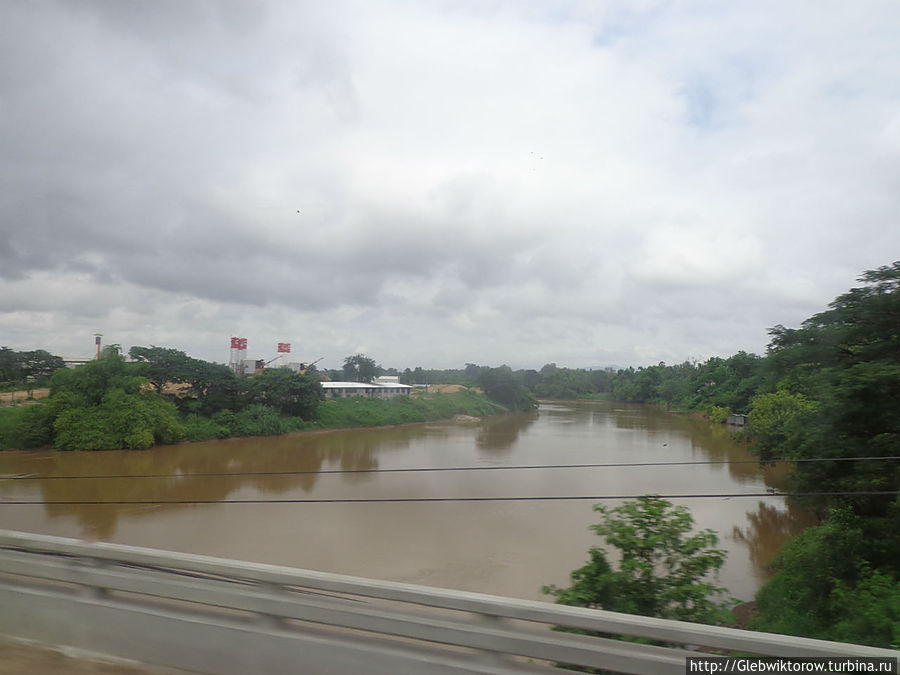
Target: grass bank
{"x":341,"y":413}
{"x":260,"y":420}
{"x":374,"y":412}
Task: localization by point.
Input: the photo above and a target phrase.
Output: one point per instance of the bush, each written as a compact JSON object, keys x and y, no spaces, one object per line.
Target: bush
{"x":199,"y":428}
{"x":869,"y":612}
{"x":257,"y":420}
{"x":33,"y":427}
{"x":85,"y":429}
{"x":8,"y":419}
{"x":718,"y":414}
{"x":121,"y":421}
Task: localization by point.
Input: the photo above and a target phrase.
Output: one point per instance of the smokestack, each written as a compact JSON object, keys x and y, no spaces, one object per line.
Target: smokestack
{"x":97,"y":341}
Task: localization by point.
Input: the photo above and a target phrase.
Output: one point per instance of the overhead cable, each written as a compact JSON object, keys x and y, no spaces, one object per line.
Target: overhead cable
{"x":377,"y":500}
{"x":38,"y":476}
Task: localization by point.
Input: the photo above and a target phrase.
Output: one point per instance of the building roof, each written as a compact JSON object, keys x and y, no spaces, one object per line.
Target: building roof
{"x":363,"y":385}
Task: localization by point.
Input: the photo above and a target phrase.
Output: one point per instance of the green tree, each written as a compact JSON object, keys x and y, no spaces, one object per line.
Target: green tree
{"x":838,"y":392}
{"x":121,"y":421}
{"x":845,"y":363}
{"x":38,"y":365}
{"x":288,"y":392}
{"x":778,"y":421}
{"x":9,"y":365}
{"x":88,"y":384}
{"x":664,"y":568}
{"x":360,"y":368}
{"x":33,"y":367}
{"x":213,"y":384}
{"x":162,"y":366}
{"x":555,"y":382}
{"x":501,"y":385}
{"x":102,"y":405}
{"x":34,"y":427}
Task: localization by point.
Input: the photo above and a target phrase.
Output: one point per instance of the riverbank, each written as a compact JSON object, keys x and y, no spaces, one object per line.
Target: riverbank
{"x":342,"y":413}
{"x":375,"y":412}
{"x":323,"y":431}
{"x":333,"y":414}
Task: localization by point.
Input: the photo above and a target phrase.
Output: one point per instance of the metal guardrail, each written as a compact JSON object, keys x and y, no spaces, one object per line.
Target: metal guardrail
{"x":214,"y":615}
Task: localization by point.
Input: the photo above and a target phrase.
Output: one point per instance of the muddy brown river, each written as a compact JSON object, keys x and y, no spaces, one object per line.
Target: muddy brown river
{"x":503,"y":547}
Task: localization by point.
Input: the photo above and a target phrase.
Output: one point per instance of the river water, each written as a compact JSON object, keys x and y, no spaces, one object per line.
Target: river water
{"x":503,"y":547}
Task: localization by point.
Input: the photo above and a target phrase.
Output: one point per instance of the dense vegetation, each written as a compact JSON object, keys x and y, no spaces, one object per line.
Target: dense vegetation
{"x":162,"y":396}
{"x":830,"y":391}
{"x":834,"y":393}
{"x":714,"y":386}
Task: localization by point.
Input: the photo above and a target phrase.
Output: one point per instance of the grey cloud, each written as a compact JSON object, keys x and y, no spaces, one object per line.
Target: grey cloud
{"x":156,"y":155}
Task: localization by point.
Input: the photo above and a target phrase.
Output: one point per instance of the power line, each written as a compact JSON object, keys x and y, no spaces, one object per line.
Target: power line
{"x":37,"y":476}
{"x":401,"y":500}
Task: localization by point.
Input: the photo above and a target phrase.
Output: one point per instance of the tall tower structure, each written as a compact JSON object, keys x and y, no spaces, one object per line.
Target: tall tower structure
{"x":238,"y":354}
{"x":97,"y":337}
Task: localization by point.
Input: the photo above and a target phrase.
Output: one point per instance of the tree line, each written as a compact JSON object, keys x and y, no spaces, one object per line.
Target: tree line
{"x":829,"y":390}
{"x":28,"y":369}
{"x":833,"y":391}
{"x":161,"y":395}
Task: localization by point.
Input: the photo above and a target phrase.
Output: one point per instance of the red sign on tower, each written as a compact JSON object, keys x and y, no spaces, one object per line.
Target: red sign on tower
{"x":284,"y":347}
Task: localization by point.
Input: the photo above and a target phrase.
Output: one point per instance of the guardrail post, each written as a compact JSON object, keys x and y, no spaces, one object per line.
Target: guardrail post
{"x":270,"y":620}
{"x":491,"y":657}
{"x":89,"y":589}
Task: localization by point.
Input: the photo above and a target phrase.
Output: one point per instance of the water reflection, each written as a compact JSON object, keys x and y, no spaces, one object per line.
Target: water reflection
{"x":499,"y":434}
{"x":267,"y":466}
{"x":768,"y":529}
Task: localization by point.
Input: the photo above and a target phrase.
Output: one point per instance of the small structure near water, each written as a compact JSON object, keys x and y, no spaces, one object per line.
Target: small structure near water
{"x":736,"y":419}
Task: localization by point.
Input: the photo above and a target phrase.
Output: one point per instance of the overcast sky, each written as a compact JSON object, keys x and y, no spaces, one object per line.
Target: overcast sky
{"x":436,"y":182}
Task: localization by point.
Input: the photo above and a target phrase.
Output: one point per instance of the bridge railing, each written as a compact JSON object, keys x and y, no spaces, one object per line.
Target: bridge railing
{"x":224,"y":616}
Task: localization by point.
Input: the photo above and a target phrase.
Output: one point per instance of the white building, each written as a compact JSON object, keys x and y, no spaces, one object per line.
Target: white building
{"x":382,"y":387}
{"x":75,"y":361}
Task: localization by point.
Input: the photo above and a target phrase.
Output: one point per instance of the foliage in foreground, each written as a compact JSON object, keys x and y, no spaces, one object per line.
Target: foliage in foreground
{"x":830,"y":584}
{"x":664,"y":568}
